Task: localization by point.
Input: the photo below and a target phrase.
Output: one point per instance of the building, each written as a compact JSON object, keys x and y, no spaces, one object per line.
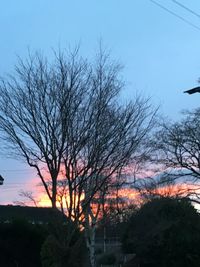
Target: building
{"x":34,"y":215}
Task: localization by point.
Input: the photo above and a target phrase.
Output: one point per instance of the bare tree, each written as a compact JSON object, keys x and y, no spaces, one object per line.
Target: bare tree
{"x":178,"y":147}
{"x":38,"y":105}
{"x":27,"y":198}
{"x":66,"y":118}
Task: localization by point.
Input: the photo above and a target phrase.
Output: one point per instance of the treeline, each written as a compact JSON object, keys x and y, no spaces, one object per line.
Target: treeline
{"x":162,"y":232}
{"x":47,"y":245}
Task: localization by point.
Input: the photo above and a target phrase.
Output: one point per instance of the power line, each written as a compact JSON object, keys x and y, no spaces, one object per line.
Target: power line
{"x":11,"y":183}
{"x":16,"y":170}
{"x":176,"y":15}
{"x":186,"y":8}
{"x":6,"y":190}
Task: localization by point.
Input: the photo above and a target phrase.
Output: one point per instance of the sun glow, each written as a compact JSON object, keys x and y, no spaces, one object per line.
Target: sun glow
{"x":128,"y":195}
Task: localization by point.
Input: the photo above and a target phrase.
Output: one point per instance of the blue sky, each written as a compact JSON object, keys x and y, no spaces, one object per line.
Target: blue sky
{"x":160,"y":53}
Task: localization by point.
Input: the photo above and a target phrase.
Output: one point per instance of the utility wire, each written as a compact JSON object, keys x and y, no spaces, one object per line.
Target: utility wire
{"x":186,"y":8}
{"x":16,"y":170}
{"x":7,"y":183}
{"x":176,"y":15}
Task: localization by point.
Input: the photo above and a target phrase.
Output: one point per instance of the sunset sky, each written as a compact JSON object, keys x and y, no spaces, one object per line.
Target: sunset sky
{"x":159,"y":51}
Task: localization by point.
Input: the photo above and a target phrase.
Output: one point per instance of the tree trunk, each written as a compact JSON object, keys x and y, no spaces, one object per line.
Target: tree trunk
{"x":90,"y":240}
{"x":53,"y":202}
{"x":54,"y":192}
{"x":90,"y":231}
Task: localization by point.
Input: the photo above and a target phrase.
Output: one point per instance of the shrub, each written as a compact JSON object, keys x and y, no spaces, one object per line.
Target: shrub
{"x":108,"y":259}
{"x":164,"y":232}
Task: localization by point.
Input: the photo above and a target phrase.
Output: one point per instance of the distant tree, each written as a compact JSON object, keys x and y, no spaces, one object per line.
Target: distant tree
{"x":27,"y":199}
{"x":178,"y":147}
{"x":164,"y":232}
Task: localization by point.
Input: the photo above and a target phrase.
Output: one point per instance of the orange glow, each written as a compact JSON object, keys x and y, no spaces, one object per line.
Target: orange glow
{"x":129,"y":195}
{"x":44,"y":201}
{"x":132,"y":194}
{"x":176,"y":190}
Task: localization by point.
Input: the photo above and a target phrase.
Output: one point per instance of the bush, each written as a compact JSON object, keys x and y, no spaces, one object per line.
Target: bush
{"x":20,"y":244}
{"x":107,"y":259}
{"x":63,"y":247}
{"x":33,"y":245}
{"x":164,"y":232}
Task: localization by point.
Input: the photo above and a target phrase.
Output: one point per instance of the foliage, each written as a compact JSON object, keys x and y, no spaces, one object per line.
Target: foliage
{"x":164,"y":232}
{"x":20,"y":244}
{"x":107,"y":259}
{"x":52,"y":245}
{"x":64,"y":246}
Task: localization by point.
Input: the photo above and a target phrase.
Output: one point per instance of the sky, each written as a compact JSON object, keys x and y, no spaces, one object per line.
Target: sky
{"x":159,"y":51}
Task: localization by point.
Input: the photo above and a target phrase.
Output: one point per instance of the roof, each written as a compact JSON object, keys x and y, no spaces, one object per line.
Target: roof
{"x":193,"y":90}
{"x":31,"y":214}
